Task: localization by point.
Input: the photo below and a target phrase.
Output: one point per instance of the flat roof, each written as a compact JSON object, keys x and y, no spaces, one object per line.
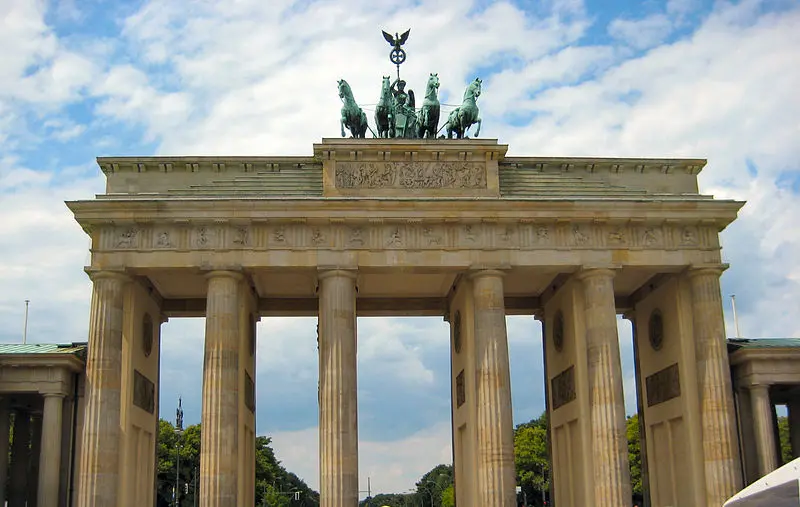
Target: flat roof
{"x":762,"y":343}
{"x":75,"y":348}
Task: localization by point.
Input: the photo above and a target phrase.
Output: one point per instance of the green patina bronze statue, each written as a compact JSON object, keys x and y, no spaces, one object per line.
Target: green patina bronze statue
{"x":353,"y":117}
{"x":465,"y":115}
{"x":383,"y":110}
{"x":396,"y":115}
{"x":428,"y":115}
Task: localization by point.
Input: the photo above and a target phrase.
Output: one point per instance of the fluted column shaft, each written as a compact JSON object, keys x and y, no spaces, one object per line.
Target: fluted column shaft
{"x":220,"y":417}
{"x":762,"y":424}
{"x":20,"y":456}
{"x":338,"y":401}
{"x":612,"y":481}
{"x":720,"y":447}
{"x":4,"y":442}
{"x":495,"y":426}
{"x":50,"y":456}
{"x":794,"y":426}
{"x":99,"y":470}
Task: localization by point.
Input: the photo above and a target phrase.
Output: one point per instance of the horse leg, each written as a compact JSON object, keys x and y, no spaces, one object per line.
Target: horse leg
{"x":342,"y":122}
{"x":478,"y":130}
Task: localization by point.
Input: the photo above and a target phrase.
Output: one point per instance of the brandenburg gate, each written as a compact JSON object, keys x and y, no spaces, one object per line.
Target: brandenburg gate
{"x":451,"y":228}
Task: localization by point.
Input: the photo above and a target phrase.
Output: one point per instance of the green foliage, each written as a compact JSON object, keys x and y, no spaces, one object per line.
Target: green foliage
{"x":274,"y":485}
{"x":449,"y":497}
{"x":530,"y":457}
{"x":634,"y":453}
{"x":431,"y":485}
{"x":786,"y":444}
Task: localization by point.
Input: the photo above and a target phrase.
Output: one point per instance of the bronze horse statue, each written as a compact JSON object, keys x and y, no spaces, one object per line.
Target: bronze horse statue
{"x":353,"y":117}
{"x":383,"y":111}
{"x":428,"y":115}
{"x":465,"y":115}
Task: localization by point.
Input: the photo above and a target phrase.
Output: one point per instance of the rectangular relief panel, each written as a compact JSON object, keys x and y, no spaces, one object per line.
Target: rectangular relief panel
{"x":663,"y":385}
{"x":144,"y":392}
{"x":563,"y":388}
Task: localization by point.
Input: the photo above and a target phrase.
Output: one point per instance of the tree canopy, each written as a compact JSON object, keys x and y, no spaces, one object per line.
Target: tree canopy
{"x":275,"y":486}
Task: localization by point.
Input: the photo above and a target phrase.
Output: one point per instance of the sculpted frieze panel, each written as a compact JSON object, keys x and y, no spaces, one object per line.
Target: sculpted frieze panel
{"x":424,"y":175}
{"x":410,"y":234}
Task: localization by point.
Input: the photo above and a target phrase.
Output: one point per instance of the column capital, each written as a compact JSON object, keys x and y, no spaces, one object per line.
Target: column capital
{"x":484,"y":272}
{"x":706,"y":269}
{"x":330,"y":272}
{"x":236,"y":274}
{"x":53,"y":395}
{"x":96,"y":274}
{"x":758,"y":386}
{"x":587,"y":272}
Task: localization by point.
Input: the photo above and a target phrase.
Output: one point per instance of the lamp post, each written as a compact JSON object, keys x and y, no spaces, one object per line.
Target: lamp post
{"x":179,"y":431}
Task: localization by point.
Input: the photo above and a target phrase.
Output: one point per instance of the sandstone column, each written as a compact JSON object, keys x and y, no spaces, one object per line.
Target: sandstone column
{"x":4,"y":434}
{"x":50,"y":457}
{"x":495,"y":426}
{"x":98,"y":474}
{"x":20,"y":454}
{"x":794,"y":426}
{"x":720,"y":446}
{"x":220,"y":417}
{"x":612,"y":481}
{"x":338,"y":401}
{"x":762,"y":425}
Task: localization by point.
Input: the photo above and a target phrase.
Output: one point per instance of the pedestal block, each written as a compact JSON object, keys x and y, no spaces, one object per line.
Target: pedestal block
{"x":338,"y":401}
{"x":720,"y":447}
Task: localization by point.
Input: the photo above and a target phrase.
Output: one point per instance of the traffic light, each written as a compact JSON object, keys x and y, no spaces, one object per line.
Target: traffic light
{"x":297,"y":495}
{"x":186,"y":488}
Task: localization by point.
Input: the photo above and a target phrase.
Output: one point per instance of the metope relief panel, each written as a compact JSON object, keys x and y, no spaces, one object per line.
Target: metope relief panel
{"x":410,"y":175}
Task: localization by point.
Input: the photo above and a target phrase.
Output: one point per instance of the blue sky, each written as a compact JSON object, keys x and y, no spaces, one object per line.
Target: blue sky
{"x":682,"y":78}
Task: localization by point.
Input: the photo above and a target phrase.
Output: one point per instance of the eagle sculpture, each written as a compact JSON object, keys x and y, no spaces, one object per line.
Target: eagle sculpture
{"x":396,"y":41}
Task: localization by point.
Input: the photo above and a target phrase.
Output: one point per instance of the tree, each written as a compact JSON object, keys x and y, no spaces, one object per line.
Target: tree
{"x":449,"y":497}
{"x":531,"y":457}
{"x":786,"y":443}
{"x":634,"y":454}
{"x":274,"y":485}
{"x":431,"y":485}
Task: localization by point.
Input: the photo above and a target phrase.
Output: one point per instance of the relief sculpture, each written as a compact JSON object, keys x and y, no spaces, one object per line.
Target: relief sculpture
{"x":461,"y":175}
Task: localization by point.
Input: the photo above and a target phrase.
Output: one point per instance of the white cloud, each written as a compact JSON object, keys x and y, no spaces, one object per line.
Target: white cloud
{"x":641,"y":33}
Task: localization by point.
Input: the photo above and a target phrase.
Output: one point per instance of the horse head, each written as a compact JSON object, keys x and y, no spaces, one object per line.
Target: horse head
{"x":433,"y":81}
{"x":344,"y":89}
{"x":473,"y":91}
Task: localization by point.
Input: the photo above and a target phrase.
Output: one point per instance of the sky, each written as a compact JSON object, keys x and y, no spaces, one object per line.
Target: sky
{"x":681,"y":78}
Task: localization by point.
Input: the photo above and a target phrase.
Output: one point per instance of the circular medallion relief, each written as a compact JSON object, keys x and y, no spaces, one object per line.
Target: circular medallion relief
{"x":147,"y":334}
{"x":457,"y":331}
{"x":656,"y":329}
{"x":558,"y":331}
